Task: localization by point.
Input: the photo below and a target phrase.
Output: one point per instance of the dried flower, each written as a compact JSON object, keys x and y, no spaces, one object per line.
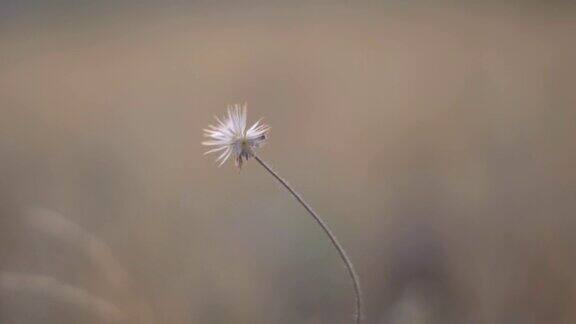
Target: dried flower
{"x":232,"y":137}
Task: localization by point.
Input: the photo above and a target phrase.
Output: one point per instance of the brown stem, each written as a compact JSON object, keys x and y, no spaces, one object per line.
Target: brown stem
{"x":331,"y":236}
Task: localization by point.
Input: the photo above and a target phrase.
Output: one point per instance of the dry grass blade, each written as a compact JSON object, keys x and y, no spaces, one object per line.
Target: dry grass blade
{"x":57,"y":226}
{"x":48,"y":286}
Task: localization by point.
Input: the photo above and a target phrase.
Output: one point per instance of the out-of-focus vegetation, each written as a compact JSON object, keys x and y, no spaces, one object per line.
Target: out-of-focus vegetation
{"x":437,"y":140}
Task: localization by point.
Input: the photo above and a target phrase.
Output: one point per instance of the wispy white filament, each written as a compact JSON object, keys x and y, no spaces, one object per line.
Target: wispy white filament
{"x":231,"y":137}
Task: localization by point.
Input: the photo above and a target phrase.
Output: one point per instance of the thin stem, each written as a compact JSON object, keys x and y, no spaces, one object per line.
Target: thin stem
{"x":331,"y":236}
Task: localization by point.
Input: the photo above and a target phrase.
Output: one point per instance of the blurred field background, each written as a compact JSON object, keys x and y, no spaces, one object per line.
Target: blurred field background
{"x":438,"y":140}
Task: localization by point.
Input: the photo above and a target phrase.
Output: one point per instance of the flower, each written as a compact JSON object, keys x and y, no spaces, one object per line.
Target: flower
{"x":232,"y":137}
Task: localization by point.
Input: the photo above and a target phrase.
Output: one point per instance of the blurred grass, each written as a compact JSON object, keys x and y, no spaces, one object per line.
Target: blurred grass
{"x":437,"y":140}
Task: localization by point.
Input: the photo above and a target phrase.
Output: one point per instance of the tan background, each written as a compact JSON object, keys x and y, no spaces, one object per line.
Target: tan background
{"x":437,"y":140}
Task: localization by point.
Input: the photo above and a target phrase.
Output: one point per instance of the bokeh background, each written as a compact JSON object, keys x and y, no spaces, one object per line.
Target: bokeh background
{"x":437,"y":139}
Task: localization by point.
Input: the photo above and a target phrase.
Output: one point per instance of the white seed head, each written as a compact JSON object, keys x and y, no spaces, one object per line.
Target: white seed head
{"x":231,"y":137}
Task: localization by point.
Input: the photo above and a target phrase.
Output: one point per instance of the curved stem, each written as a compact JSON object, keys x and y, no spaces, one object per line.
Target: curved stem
{"x":331,"y":236}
